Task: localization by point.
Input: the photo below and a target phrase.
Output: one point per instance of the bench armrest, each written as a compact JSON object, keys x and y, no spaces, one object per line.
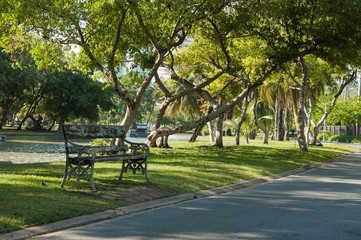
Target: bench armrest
{"x":72,"y":147}
{"x":138,"y":148}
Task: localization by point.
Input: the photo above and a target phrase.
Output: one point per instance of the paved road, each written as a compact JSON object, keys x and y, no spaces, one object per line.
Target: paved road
{"x":324,"y":203}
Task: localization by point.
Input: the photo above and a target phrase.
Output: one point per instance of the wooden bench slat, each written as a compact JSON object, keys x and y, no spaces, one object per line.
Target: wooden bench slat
{"x":98,"y":149}
{"x":93,"y":131}
{"x":103,"y":158}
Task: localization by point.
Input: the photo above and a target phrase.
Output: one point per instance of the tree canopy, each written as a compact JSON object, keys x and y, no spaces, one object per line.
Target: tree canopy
{"x":236,"y":46}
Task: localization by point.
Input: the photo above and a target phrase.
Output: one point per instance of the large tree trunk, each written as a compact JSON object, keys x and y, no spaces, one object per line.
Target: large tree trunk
{"x":316,"y":131}
{"x":127,"y":121}
{"x":301,"y":108}
{"x":129,"y":118}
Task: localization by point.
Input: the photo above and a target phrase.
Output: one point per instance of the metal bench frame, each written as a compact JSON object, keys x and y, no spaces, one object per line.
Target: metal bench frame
{"x":80,"y":158}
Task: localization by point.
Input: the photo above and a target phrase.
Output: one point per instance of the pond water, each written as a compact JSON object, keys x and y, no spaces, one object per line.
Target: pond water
{"x":46,"y":148}
{"x":31,"y":149}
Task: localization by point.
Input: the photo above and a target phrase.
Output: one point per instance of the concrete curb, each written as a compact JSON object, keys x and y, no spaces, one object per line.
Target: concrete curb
{"x":144,"y":206}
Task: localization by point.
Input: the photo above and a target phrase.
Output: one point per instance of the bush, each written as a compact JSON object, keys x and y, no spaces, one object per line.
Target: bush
{"x":345,"y":139}
{"x":100,"y":142}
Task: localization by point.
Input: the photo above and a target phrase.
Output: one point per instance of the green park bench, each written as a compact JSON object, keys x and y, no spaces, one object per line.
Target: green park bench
{"x":80,"y":158}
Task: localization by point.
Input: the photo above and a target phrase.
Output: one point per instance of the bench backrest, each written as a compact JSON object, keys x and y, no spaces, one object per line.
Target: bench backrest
{"x":93,"y":131}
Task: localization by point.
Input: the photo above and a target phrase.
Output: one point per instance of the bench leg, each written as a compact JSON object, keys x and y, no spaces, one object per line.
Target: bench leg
{"x":65,"y":175}
{"x":134,"y":166}
{"x":146,"y":170}
{"x":121,"y":173}
{"x":91,"y":178}
{"x":79,"y":171}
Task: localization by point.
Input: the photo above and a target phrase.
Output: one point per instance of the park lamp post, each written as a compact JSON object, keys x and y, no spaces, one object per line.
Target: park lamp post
{"x":324,"y":121}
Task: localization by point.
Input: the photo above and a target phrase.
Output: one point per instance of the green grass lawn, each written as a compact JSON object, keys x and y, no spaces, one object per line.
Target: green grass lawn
{"x":24,"y":201}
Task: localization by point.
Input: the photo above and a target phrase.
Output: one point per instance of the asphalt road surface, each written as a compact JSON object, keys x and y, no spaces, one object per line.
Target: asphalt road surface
{"x":324,"y":203}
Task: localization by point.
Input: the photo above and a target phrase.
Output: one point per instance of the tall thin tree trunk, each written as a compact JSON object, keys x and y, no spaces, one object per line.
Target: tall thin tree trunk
{"x":63,"y":117}
{"x":13,"y":119}
{"x":295,"y":106}
{"x":286,"y":136}
{"x":166,"y":145}
{"x":219,"y":131}
{"x":22,"y":122}
{"x":199,"y":128}
{"x":301,"y":108}
{"x":239,"y":124}
{"x":258,"y":123}
{"x":278,"y":120}
{"x":196,"y":133}
{"x":211,"y":131}
{"x":52,"y":125}
{"x":161,"y":143}
{"x":158,"y":120}
{"x":309,"y":118}
{"x":316,"y":131}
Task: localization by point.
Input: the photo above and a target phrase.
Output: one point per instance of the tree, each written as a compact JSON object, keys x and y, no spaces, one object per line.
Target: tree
{"x":328,"y":29}
{"x":257,"y":120}
{"x":109,"y":35}
{"x":346,"y":112}
{"x":242,"y":124}
{"x":73,"y":95}
{"x":13,"y":82}
{"x":344,"y":81}
{"x":32,"y":96}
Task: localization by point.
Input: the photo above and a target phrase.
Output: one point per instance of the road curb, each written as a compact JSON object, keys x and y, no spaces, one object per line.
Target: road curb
{"x":158,"y":203}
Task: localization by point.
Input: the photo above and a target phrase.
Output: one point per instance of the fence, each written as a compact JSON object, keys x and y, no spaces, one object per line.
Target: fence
{"x":344,"y":130}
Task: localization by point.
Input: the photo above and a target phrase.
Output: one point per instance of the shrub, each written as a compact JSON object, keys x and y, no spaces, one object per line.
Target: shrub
{"x":345,"y":139}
